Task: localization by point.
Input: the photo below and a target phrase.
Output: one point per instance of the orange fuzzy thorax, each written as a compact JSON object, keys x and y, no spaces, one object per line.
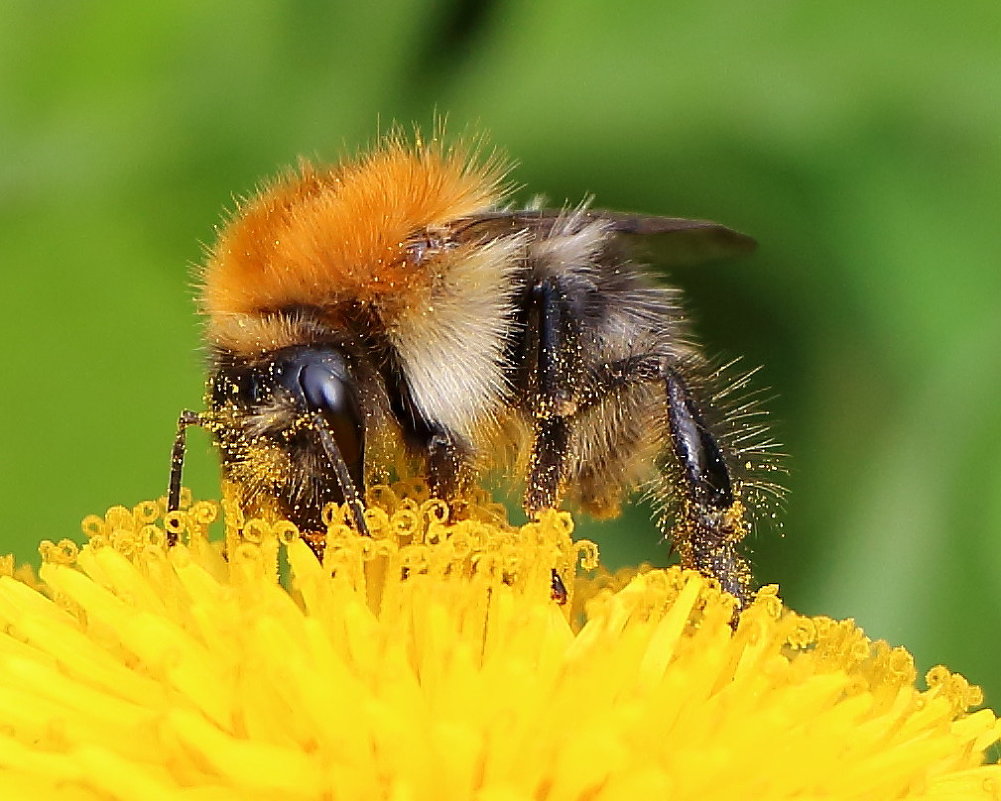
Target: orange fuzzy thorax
{"x":328,"y":235}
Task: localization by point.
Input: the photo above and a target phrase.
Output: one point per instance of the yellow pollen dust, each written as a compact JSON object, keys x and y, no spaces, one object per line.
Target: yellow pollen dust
{"x":430,"y":661}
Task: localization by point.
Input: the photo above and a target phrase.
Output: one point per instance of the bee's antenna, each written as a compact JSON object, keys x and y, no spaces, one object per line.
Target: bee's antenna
{"x":187,"y":418}
{"x":348,"y":488}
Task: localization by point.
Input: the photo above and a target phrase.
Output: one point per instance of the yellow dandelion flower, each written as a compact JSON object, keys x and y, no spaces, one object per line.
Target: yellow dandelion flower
{"x":430,"y":662}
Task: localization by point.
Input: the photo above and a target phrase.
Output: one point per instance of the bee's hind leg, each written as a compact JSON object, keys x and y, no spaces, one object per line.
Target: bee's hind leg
{"x":704,"y":518}
{"x":709,"y":523}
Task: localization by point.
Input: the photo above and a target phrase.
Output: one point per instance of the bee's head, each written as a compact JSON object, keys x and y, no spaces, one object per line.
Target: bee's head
{"x":283,"y":397}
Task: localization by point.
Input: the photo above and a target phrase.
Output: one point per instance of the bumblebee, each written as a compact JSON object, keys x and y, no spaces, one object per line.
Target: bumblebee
{"x":391,"y":312}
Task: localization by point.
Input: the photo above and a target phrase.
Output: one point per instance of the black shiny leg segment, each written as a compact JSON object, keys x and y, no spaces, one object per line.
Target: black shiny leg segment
{"x":710,"y":523}
{"x":699,"y":455}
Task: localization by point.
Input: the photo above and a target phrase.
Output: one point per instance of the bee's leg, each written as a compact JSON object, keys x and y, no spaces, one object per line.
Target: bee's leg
{"x":547,"y":467}
{"x":556,"y":387}
{"x":186,"y":418}
{"x":710,"y":523}
{"x":447,"y":465}
{"x":559,"y":356}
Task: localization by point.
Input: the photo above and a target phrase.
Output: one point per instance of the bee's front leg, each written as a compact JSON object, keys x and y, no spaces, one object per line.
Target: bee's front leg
{"x":185,"y":419}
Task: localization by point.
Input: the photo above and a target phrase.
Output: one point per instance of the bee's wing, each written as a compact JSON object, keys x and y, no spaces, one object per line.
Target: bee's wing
{"x":674,"y":240}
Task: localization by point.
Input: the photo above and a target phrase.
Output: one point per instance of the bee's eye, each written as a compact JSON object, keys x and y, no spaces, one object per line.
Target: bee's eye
{"x":322,"y":389}
{"x":320,"y":381}
{"x":331,"y":394}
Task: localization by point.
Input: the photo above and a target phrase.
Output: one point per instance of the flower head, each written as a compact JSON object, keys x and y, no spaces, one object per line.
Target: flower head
{"x":430,"y":662}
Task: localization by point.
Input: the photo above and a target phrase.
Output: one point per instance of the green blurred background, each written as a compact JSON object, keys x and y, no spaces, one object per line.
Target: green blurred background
{"x":860,"y":143}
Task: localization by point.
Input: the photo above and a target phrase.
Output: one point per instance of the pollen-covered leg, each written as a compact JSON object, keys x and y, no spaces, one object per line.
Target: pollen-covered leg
{"x":600,"y":383}
{"x":703,"y":515}
{"x":556,"y":387}
{"x":709,"y":520}
{"x":559,"y":358}
{"x":448,"y":466}
{"x":548,"y":465}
